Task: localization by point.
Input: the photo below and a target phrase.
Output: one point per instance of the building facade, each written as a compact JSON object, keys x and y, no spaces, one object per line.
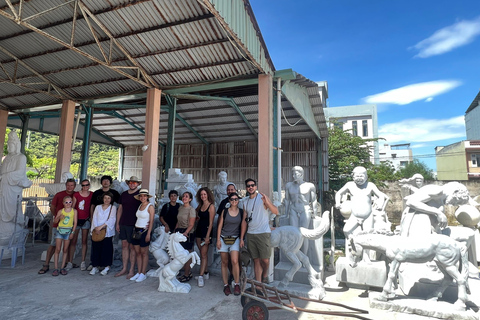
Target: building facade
{"x":459,"y":161}
{"x":361,"y":120}
{"x":398,"y":154}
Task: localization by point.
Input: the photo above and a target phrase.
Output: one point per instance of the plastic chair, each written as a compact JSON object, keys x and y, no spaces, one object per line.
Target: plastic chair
{"x":18,"y":240}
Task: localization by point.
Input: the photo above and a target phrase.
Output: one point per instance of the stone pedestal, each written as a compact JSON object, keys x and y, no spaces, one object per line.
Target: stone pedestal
{"x":373,"y":274}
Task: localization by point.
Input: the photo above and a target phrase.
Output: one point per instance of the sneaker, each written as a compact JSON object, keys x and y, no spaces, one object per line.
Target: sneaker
{"x":83,"y":267}
{"x":236,"y":290}
{"x":105,"y":271}
{"x":93,"y":271}
{"x":200,"y":281}
{"x":89,"y":268}
{"x":140,"y":278}
{"x":226,"y":290}
{"x":135,"y":277}
{"x":69,"y":266}
{"x":206,"y":275}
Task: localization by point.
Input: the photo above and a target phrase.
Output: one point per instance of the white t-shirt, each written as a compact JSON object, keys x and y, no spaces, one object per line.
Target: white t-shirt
{"x":260,"y":217}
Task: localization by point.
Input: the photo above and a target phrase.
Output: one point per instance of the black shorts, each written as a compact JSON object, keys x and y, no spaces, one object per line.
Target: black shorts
{"x":126,"y":233}
{"x":140,"y":242}
{"x":188,"y":244}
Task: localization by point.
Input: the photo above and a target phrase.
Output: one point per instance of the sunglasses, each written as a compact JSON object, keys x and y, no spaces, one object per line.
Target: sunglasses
{"x":85,"y":185}
{"x":67,"y":202}
{"x":250,"y":185}
{"x":234,"y":199}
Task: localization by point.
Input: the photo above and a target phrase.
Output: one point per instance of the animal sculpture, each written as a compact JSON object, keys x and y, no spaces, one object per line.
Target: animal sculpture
{"x":158,"y":247}
{"x":168,"y":275}
{"x":290,"y":240}
{"x":443,"y":250}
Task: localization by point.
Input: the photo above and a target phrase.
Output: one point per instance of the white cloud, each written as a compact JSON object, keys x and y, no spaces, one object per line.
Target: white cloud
{"x":448,"y":38}
{"x":428,"y":99}
{"x":423,"y":130}
{"x":414,"y":92}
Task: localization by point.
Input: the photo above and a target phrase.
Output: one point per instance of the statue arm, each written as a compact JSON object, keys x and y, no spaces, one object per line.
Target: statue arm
{"x":286,"y":200}
{"x":313,"y":196}
{"x":380,"y":195}
{"x":418,"y":202}
{"x":340,"y":193}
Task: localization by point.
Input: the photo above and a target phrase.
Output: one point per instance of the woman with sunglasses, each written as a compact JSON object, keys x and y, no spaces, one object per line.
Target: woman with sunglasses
{"x":82,"y":205}
{"x":66,"y":219}
{"x":231,"y":229}
{"x":185,"y":225}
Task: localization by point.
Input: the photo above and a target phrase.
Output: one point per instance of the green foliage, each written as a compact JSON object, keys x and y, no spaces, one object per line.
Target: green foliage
{"x":384,"y":171}
{"x":416,"y":167}
{"x":345,"y":152}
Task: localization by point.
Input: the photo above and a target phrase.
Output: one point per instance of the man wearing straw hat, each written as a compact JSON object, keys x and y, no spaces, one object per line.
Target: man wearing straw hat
{"x":126,"y":219}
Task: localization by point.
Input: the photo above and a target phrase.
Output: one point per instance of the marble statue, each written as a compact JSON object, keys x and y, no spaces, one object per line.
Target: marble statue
{"x":13,"y":179}
{"x":360,"y":203}
{"x":158,"y":249}
{"x":413,"y":183}
{"x":300,"y":202}
{"x":168,"y":275}
{"x":290,"y":239}
{"x":181,"y":182}
{"x":220,"y":190}
{"x":441,"y":249}
{"x":54,"y":188}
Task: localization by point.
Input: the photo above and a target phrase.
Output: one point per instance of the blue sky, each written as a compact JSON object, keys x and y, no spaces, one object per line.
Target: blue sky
{"x":417,"y":60}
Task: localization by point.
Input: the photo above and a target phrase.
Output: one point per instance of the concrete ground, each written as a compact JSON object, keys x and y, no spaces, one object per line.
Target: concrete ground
{"x":24,"y":294}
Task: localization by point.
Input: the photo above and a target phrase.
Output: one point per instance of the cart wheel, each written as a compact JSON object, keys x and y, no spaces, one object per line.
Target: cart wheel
{"x":244,"y":299}
{"x":255,"y":310}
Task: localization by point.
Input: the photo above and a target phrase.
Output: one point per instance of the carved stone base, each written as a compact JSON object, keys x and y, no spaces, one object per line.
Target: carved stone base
{"x":301,"y":290}
{"x":373,"y":274}
{"x":435,"y":309}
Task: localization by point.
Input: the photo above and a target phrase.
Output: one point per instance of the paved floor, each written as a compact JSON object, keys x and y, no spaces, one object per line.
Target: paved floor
{"x":24,"y":294}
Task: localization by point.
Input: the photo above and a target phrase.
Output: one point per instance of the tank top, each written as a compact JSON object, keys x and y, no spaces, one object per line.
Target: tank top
{"x":67,"y":221}
{"x":143,"y":217}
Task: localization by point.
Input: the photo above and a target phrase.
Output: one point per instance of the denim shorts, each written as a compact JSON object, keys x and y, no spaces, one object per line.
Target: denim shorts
{"x":62,"y":236}
{"x":232,"y":247}
{"x":86,"y":225}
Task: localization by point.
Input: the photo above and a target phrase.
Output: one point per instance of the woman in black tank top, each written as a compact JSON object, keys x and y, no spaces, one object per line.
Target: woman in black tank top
{"x":206,"y":214}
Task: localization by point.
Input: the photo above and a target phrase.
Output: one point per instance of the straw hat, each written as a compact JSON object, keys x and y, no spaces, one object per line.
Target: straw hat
{"x":134,"y":179}
{"x":142,"y":191}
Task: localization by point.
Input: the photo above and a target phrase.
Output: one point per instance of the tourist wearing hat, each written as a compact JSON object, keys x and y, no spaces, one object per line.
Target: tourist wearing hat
{"x":126,"y":218}
{"x":141,"y":233}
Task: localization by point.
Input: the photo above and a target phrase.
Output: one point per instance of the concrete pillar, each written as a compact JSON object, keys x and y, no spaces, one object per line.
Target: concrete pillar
{"x":265,"y":134}
{"x":150,"y":156}
{"x":64,"y":153}
{"x":3,"y":129}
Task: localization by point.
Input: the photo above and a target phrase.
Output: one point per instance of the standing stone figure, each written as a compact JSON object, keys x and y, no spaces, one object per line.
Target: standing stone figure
{"x":361,"y":192}
{"x":220,"y":190}
{"x":13,"y":180}
{"x":300,"y":202}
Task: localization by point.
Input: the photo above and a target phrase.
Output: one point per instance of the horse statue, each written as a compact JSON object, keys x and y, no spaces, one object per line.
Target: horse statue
{"x":443,"y":250}
{"x":290,"y":240}
{"x":168,"y":275}
{"x":157,"y":248}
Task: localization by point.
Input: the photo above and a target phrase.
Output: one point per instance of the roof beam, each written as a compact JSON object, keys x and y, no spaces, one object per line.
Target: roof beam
{"x":218,"y":85}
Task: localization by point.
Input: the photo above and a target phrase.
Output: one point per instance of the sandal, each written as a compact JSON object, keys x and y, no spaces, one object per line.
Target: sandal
{"x":185,"y":278}
{"x":64,"y":272}
{"x":44,"y":269}
{"x":55,"y":273}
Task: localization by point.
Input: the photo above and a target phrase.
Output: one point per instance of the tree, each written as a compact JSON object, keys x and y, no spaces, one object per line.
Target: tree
{"x":345,"y":152}
{"x":385,"y":171}
{"x":416,"y":167}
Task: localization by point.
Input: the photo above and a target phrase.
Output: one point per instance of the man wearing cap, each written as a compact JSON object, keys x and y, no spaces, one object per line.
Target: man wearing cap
{"x":126,"y":218}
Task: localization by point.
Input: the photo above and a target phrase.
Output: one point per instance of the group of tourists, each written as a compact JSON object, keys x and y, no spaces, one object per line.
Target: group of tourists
{"x":104,"y":212}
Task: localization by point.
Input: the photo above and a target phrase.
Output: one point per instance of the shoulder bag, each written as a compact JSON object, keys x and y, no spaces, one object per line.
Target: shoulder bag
{"x":97,"y":237}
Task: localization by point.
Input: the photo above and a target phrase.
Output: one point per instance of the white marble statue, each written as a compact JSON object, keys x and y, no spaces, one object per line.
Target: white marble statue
{"x":360,"y":203}
{"x":413,"y":183}
{"x":168,"y":275}
{"x":13,"y":180}
{"x":300,"y":202}
{"x":290,"y":239}
{"x":441,"y":249}
{"x":220,"y":190}
{"x":158,"y":249}
{"x":181,"y":182}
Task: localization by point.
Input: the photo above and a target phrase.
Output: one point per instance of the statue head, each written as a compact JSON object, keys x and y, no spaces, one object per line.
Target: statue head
{"x":359,"y":175}
{"x":222,"y":177}
{"x":13,"y":144}
{"x":297,"y":173}
{"x":456,"y":193}
{"x":418,"y":180}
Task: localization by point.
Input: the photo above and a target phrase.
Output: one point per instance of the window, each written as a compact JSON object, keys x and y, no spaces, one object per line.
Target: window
{"x":475,"y":159}
{"x":403,"y":164}
{"x":365,"y":128}
{"x":354,"y":128}
{"x":394,"y":155}
{"x":339,"y":125}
